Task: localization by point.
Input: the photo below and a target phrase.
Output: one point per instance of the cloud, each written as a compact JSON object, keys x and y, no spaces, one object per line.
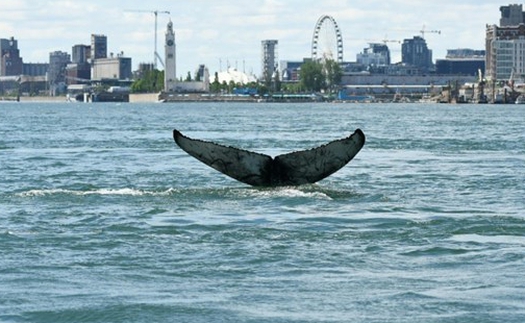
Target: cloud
{"x":207,"y":31}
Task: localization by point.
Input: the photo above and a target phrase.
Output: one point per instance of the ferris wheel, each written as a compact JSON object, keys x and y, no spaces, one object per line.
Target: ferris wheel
{"x":327,"y":41}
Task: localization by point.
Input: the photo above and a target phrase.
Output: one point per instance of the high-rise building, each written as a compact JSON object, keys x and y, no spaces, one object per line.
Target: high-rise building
{"x":505,"y":45}
{"x":505,"y":52}
{"x":269,"y":60}
{"x":10,"y":60}
{"x":99,"y":46}
{"x":170,"y":68}
{"x":415,"y":52}
{"x":511,"y":15}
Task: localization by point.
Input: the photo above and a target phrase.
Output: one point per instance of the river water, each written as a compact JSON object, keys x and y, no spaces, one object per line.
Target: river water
{"x":104,"y":219}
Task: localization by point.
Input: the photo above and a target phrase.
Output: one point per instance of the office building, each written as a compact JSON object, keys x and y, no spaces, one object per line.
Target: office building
{"x":414,"y":52}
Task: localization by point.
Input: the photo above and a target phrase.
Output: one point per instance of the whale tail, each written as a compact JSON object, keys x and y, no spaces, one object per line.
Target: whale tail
{"x":295,"y":168}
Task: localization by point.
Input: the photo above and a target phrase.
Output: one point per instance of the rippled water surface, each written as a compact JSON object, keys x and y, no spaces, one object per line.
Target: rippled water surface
{"x":104,"y":219}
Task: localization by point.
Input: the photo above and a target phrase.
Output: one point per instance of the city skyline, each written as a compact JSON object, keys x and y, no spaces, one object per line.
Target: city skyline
{"x":221,"y":33}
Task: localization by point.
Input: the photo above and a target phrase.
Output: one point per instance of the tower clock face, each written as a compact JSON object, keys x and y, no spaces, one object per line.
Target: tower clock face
{"x":169,"y":42}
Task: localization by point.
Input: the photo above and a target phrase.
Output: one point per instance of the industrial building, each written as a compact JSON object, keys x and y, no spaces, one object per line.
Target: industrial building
{"x":35,"y":69}
{"x":56,"y":74}
{"x":10,"y":60}
{"x":117,"y":68}
{"x":99,"y":46}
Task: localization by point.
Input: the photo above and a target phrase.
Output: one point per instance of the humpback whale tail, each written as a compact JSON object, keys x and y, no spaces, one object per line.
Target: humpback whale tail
{"x":295,"y":168}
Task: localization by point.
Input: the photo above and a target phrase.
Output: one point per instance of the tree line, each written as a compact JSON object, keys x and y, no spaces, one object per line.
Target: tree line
{"x":314,"y":76}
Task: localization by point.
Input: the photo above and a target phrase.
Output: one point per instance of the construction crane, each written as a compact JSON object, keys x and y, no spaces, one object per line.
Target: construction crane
{"x":156,"y":55}
{"x":384,"y":41}
{"x":423,"y":31}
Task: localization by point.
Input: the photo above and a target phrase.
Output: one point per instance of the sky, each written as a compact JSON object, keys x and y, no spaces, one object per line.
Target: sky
{"x":228,"y":33}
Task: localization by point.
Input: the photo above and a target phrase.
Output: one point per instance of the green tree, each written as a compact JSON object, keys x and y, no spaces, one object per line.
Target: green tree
{"x":231,"y":86}
{"x":311,"y":76}
{"x":188,"y":77}
{"x":150,"y":82}
{"x":215,"y":86}
{"x":333,"y":74}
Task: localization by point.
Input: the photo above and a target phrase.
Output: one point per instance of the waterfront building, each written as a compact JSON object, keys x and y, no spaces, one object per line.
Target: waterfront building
{"x":505,"y":52}
{"x":99,"y":46}
{"x":375,"y":55}
{"x":463,"y":61}
{"x":10,"y":61}
{"x":170,"y":52}
{"x":505,"y":45}
{"x":415,"y":52}
{"x":465,"y":53}
{"x":233,"y":75}
{"x":268,"y":60}
{"x":114,"y":68}
{"x":58,"y":61}
{"x":77,"y":73}
{"x":81,"y":54}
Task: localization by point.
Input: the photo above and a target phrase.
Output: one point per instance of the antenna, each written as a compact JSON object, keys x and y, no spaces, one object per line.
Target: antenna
{"x":156,"y":55}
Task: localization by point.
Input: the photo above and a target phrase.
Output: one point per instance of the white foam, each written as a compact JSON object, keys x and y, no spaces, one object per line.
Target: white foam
{"x":499,"y":239}
{"x":290,"y":192}
{"x":102,"y":191}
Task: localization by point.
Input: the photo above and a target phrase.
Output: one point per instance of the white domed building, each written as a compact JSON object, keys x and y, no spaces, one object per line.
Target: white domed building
{"x":232,"y":74}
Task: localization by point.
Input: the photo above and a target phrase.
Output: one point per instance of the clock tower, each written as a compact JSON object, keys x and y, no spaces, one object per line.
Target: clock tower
{"x":170,"y":68}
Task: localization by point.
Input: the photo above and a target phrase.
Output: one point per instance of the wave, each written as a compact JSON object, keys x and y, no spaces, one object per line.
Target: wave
{"x":287,"y":192}
{"x":489,"y":239}
{"x":101,"y":191}
{"x":307,"y":191}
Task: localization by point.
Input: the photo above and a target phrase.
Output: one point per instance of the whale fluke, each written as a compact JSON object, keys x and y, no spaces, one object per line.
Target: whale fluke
{"x":295,"y":168}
